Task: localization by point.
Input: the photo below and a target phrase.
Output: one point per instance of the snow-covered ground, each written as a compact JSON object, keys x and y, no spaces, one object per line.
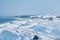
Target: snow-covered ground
{"x":45,"y":27}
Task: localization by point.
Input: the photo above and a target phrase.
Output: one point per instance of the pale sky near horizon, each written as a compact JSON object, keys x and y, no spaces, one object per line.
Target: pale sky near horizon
{"x":26,"y":7}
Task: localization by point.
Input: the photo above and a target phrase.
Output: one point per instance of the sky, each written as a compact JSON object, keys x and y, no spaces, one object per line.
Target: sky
{"x":27,"y":7}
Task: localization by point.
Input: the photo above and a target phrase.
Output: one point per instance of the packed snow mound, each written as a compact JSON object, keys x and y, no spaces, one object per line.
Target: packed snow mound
{"x":31,"y":27}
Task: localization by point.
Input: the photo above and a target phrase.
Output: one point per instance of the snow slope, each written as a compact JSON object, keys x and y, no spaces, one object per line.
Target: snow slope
{"x":26,"y":27}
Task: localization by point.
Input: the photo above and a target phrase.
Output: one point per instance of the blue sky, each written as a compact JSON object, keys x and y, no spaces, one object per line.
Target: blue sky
{"x":26,"y":7}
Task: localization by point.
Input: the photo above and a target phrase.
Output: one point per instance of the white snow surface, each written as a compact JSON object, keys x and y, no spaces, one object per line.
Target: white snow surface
{"x":25,"y":29}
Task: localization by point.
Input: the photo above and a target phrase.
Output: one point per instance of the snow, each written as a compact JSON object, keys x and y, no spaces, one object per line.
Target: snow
{"x":25,"y":29}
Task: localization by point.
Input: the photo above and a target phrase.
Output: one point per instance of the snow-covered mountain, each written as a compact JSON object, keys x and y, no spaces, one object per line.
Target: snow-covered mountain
{"x":31,"y":27}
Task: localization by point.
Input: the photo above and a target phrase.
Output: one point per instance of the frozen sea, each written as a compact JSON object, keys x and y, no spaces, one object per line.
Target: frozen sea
{"x":30,"y":27}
